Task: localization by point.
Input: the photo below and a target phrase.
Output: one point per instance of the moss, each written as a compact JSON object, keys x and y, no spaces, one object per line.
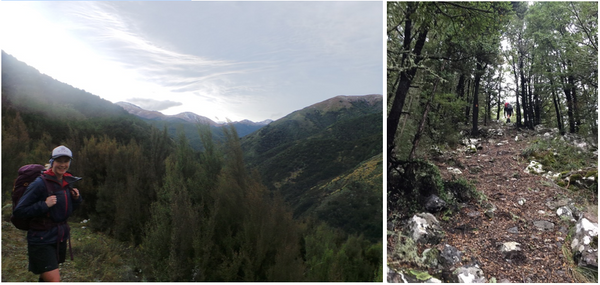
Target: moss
{"x":561,"y":183}
{"x":575,"y":177}
{"x":593,"y":173}
{"x":405,"y":250}
{"x":420,"y":275}
{"x":410,"y":183}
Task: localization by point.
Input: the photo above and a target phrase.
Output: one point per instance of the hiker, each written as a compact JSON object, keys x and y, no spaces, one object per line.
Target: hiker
{"x":507,"y":111}
{"x":49,"y":209}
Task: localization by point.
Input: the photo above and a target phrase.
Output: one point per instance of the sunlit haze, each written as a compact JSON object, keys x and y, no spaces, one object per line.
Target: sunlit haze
{"x":221,"y":60}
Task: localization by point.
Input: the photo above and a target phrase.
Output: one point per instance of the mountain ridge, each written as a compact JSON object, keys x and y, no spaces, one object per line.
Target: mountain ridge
{"x":189,"y":117}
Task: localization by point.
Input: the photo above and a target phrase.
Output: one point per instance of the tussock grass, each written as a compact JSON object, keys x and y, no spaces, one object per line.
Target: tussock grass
{"x":96,"y":257}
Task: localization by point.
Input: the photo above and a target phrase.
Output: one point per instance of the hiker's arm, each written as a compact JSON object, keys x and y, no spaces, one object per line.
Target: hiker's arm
{"x":77,"y":202}
{"x":33,"y":202}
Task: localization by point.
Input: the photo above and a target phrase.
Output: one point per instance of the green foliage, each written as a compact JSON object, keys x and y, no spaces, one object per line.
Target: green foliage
{"x":557,"y":155}
{"x":461,"y":190}
{"x":331,"y":257}
{"x":410,"y":183}
{"x":295,"y":155}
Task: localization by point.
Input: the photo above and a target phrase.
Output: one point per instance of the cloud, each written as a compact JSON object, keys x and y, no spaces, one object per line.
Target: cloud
{"x":153,"y":105}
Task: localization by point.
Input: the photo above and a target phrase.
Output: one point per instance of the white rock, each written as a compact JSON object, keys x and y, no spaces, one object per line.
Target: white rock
{"x":534,"y":167}
{"x":466,"y":278}
{"x":510,"y":246}
{"x":433,"y":280}
{"x":454,"y":170}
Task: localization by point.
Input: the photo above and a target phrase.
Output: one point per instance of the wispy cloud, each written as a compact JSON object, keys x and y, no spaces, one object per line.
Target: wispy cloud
{"x":117,"y":39}
{"x":153,"y":105}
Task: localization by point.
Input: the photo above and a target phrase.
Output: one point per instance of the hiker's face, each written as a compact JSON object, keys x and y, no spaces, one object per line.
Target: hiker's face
{"x":61,"y":165}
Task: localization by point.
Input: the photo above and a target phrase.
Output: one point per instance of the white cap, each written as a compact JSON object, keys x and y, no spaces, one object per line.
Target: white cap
{"x":61,"y":151}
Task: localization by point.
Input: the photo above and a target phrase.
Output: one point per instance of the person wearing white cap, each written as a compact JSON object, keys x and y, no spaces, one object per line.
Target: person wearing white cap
{"x":50,"y":200}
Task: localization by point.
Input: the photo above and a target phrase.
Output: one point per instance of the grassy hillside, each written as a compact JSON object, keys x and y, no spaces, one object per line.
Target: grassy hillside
{"x":315,"y":145}
{"x":352,"y":201}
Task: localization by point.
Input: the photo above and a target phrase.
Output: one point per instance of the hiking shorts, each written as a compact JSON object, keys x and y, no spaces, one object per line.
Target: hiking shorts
{"x":46,"y":257}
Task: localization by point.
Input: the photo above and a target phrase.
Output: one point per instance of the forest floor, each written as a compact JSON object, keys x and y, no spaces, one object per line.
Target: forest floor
{"x":497,"y":171}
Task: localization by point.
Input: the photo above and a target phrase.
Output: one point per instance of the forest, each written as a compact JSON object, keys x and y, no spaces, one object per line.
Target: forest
{"x":451,"y":63}
{"x":459,"y":168}
{"x":155,"y":208}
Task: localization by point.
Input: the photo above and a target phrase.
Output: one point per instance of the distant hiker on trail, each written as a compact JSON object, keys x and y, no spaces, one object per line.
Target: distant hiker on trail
{"x":49,"y":201}
{"x":508,"y":109}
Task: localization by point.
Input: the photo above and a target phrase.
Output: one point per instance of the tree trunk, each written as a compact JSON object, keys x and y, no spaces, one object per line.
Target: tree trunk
{"x":537,"y":103}
{"x":406,"y":76}
{"x":478,"y":73}
{"x":523,"y":92}
{"x":468,"y":108}
{"x":423,"y":120}
{"x":567,"y":89}
{"x":530,"y":103}
{"x":575,"y":105}
{"x":499,"y":100}
{"x":557,"y":109}
{"x":517,"y":109}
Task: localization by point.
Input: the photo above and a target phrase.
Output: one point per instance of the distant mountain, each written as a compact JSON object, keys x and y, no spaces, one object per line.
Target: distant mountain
{"x":188,"y":121}
{"x":188,"y":117}
{"x":314,"y":145}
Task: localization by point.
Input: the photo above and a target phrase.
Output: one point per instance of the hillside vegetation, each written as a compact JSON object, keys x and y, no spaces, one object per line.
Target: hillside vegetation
{"x":159,"y":210}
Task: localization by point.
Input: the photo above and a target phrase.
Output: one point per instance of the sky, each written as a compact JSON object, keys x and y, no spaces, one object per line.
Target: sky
{"x":221,"y":60}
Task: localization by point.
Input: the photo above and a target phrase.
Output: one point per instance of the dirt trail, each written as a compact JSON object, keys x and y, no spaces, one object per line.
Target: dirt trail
{"x":497,"y":171}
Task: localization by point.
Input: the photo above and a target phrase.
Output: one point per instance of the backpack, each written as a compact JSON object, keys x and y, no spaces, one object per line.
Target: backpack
{"x":508,"y":107}
{"x":27,"y":174}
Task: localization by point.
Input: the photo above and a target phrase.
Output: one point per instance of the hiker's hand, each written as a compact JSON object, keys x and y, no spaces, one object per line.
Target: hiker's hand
{"x":51,"y":201}
{"x":75,"y":193}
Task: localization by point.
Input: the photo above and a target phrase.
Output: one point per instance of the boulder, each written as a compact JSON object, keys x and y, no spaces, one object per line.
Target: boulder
{"x":450,"y":255}
{"x":435,"y":204}
{"x":425,"y":228}
{"x":585,"y":243}
{"x":470,"y":274}
{"x":512,"y":251}
{"x":558,"y":203}
{"x":454,"y":170}
{"x":566,"y":213}
{"x":543,"y":225}
{"x":513,"y":230}
{"x":410,"y":183}
{"x":431,"y":257}
{"x":534,"y":167}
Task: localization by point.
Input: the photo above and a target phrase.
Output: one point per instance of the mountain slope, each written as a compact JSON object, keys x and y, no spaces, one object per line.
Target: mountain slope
{"x":48,"y":106}
{"x":353,"y":200}
{"x":25,"y":88}
{"x":315,"y":145}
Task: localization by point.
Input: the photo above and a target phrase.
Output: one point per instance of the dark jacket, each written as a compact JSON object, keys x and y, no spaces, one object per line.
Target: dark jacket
{"x":50,"y":223}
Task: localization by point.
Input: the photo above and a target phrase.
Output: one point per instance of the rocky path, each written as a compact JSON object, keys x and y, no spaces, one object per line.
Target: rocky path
{"x":510,"y":234}
{"x":520,"y":207}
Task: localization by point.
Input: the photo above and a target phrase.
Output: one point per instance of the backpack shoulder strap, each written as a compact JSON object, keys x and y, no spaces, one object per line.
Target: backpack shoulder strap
{"x":47,"y":184}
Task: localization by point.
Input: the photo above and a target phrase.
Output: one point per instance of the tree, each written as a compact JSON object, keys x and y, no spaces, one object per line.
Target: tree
{"x":422,"y":35}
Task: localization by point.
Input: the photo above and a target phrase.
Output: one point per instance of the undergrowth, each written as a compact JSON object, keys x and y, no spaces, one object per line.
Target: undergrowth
{"x":96,"y":257}
{"x":557,"y":155}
